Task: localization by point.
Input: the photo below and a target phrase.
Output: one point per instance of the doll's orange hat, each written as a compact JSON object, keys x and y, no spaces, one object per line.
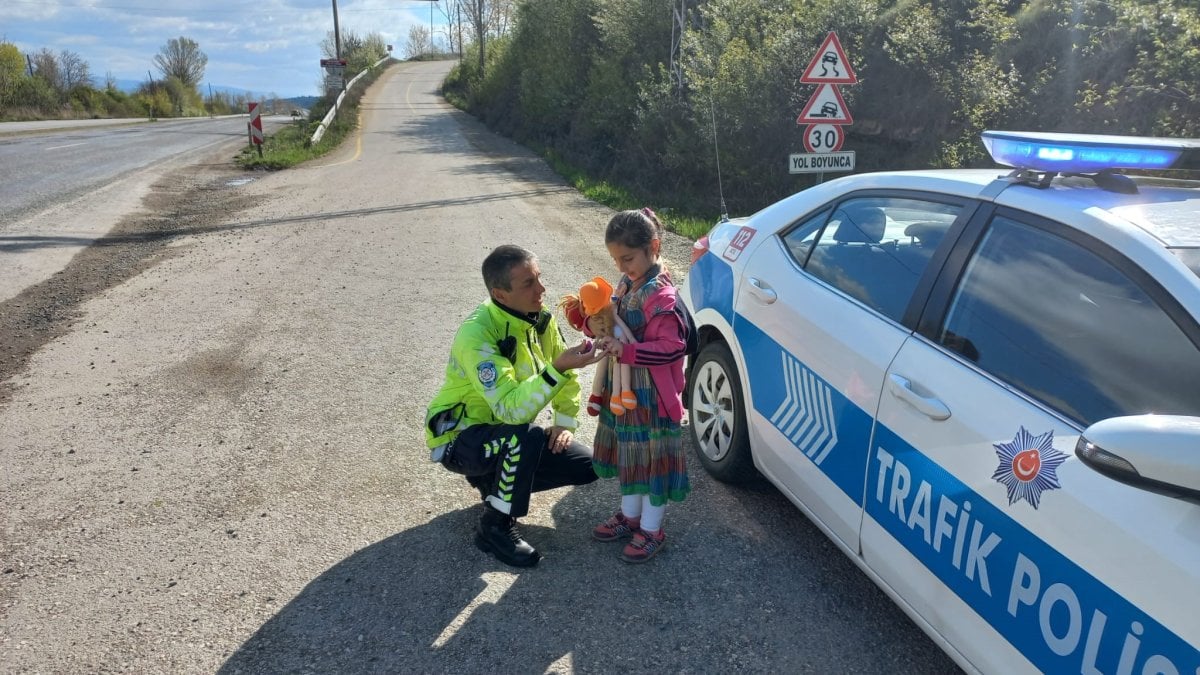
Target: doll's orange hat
{"x":595,"y":295}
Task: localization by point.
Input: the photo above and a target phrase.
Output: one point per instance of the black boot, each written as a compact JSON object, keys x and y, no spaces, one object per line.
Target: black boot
{"x":498,"y":535}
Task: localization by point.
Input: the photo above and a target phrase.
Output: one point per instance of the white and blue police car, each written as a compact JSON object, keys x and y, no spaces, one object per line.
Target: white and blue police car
{"x":984,"y":387}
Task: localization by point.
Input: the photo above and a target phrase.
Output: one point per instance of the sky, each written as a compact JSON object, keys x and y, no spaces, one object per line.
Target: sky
{"x":263,"y":46}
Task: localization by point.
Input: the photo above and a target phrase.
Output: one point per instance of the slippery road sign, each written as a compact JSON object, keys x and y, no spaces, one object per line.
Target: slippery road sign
{"x":830,"y":65}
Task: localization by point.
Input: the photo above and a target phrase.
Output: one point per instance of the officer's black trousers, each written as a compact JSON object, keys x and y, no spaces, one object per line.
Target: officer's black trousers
{"x":517,"y":461}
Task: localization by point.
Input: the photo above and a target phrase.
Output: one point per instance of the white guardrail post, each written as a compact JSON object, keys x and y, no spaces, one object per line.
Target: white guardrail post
{"x":316,"y":138}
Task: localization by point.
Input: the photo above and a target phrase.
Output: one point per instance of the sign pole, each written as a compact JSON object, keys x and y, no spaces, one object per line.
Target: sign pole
{"x":337,"y":35}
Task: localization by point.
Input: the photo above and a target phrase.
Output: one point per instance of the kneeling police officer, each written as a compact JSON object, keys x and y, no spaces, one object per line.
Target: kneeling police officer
{"x":507,"y":362}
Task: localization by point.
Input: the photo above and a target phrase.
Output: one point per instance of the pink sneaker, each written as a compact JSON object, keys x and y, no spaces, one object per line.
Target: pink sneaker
{"x":643,"y":546}
{"x":616,"y":527}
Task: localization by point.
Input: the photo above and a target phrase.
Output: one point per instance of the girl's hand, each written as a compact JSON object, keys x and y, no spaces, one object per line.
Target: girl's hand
{"x":612,"y":346}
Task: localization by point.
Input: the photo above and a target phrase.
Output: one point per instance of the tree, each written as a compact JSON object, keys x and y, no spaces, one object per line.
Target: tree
{"x":45,"y":67}
{"x":12,"y":67}
{"x":453,"y":15}
{"x":181,"y":57}
{"x":481,"y":15}
{"x":358,"y":51}
{"x":73,"y":70}
{"x":418,"y":42}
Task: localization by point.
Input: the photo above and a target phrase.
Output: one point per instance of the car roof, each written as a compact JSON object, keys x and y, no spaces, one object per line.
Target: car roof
{"x":1167,"y":210}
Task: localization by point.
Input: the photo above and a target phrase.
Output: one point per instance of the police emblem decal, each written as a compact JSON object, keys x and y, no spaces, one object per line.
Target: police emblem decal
{"x":1028,"y":466}
{"x":487,"y":374}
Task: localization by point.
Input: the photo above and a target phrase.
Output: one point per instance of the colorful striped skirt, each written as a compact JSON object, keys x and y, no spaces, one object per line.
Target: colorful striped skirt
{"x":640,"y":448}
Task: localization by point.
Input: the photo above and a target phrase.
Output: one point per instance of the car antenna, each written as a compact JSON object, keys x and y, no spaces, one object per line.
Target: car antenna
{"x":712,"y":109}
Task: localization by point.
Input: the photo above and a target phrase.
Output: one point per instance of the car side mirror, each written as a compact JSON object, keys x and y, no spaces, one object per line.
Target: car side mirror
{"x":1159,"y":453}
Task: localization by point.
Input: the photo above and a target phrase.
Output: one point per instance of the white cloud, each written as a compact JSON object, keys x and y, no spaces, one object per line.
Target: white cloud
{"x":264,"y":45}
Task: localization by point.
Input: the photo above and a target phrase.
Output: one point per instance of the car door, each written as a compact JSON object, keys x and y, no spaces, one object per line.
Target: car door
{"x":820,"y":314}
{"x":978,"y":513}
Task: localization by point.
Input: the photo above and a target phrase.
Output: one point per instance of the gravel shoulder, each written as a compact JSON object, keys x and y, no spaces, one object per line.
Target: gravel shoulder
{"x":213,"y":461}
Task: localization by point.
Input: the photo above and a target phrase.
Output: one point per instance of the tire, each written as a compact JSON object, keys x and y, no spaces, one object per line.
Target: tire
{"x":717,"y":414}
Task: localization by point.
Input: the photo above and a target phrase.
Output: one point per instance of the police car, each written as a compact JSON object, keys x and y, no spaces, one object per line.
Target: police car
{"x":984,"y":386}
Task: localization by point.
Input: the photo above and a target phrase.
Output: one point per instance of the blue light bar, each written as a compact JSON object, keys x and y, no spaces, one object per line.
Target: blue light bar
{"x":1086,"y":153}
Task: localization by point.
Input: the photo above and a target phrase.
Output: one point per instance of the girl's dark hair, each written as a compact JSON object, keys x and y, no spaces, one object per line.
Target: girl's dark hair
{"x":634,"y":229}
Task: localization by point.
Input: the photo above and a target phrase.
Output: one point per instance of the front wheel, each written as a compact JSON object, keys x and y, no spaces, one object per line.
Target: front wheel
{"x":717,"y":412}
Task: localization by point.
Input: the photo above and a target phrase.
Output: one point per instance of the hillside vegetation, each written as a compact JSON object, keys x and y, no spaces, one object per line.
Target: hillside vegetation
{"x":588,"y":82}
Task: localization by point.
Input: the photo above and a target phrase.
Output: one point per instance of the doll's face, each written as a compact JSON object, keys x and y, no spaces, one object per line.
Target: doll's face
{"x":634,"y":262}
{"x":601,"y":323}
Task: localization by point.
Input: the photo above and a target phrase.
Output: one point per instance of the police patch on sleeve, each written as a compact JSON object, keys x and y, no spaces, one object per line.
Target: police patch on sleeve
{"x":487,"y":374}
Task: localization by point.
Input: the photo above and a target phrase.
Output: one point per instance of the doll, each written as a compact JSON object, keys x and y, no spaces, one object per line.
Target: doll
{"x":595,"y":302}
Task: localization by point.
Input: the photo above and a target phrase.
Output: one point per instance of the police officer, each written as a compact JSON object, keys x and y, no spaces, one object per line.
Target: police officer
{"x":507,"y":362}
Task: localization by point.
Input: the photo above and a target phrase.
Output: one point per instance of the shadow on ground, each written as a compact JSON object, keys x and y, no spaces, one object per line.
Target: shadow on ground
{"x":738,"y":587}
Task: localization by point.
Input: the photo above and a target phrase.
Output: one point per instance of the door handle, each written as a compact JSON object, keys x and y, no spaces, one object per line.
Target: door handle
{"x":932,"y":407}
{"x":762,"y":291}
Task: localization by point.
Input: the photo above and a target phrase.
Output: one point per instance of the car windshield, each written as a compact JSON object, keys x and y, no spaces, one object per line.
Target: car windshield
{"x":1189,"y":257}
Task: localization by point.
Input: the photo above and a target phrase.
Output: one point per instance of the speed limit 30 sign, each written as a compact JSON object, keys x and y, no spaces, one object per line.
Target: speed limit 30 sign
{"x":823,"y":138}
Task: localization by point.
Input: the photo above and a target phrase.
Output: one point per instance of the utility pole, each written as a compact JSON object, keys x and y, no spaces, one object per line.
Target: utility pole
{"x":153,"y":91}
{"x":678,"y":28}
{"x":458,"y":27}
{"x":337,"y":34}
{"x":431,"y":3}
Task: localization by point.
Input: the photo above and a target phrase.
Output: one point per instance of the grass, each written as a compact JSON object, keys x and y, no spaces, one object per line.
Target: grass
{"x":287,"y":147}
{"x":620,"y":199}
{"x":292,"y":144}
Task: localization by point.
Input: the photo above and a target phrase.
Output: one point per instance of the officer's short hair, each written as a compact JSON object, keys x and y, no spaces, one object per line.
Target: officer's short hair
{"x":498,"y":266}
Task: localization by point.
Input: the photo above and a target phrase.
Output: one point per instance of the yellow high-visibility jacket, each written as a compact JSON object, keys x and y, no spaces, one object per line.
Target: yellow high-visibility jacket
{"x":500,"y":372}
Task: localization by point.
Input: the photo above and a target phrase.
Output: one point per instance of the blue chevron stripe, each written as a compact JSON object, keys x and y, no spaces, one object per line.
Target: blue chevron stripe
{"x":806,"y":414}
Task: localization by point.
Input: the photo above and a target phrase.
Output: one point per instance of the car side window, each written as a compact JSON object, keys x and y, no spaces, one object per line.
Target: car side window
{"x":874,"y":249}
{"x":1062,"y":324}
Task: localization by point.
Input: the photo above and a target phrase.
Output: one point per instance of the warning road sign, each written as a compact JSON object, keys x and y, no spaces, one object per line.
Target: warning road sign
{"x":256,"y":130}
{"x":830,"y":65}
{"x":825,"y":107}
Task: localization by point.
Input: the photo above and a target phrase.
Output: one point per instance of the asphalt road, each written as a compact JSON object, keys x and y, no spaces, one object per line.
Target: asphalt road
{"x":43,"y":169}
{"x":65,"y":183}
{"x":212,"y":458}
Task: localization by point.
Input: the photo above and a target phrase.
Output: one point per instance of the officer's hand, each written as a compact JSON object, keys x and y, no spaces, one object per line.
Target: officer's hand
{"x":559,"y":439}
{"x":583,"y":354}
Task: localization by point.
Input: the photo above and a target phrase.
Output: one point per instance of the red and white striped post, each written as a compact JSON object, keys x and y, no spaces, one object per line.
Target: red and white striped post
{"x":255,"y":126}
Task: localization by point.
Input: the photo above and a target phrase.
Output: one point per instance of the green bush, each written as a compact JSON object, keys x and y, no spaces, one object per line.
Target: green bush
{"x":589,"y":81}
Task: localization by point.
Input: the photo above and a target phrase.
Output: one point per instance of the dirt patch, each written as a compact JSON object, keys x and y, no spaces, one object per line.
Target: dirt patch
{"x":188,"y":201}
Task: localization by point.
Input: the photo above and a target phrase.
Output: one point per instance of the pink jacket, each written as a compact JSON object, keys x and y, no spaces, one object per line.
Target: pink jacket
{"x":661,"y":349}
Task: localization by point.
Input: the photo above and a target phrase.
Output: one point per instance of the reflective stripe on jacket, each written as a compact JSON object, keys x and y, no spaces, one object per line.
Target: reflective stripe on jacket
{"x":485,"y":386}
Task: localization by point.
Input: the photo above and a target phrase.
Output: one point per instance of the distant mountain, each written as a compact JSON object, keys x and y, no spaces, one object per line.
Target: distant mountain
{"x":306,"y":102}
{"x":131,"y":86}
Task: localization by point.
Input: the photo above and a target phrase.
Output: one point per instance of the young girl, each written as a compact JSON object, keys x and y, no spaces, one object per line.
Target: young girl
{"x":643,"y":447}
